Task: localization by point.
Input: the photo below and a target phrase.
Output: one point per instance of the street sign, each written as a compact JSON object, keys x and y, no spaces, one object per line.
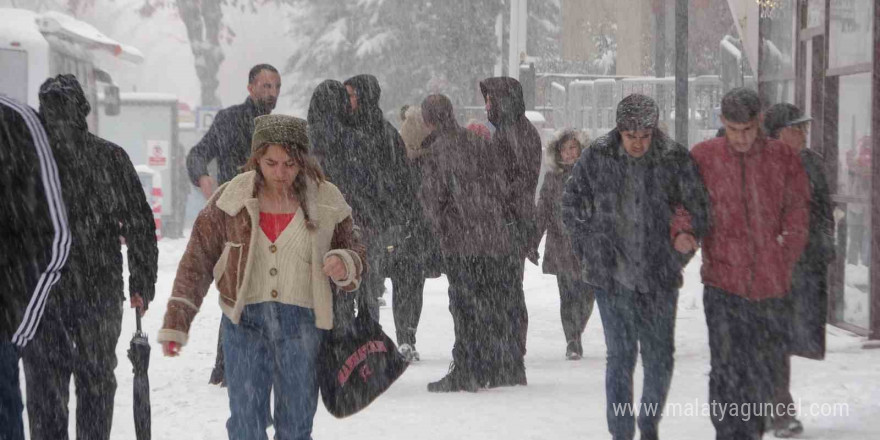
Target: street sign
{"x":157,"y":154}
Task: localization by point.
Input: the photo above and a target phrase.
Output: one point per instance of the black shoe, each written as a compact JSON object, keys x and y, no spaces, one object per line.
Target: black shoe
{"x":787,"y":427}
{"x":217,"y":376}
{"x":571,"y":351}
{"x":454,"y":381}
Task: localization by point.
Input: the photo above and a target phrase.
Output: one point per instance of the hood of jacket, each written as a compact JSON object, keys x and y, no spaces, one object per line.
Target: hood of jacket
{"x":553,"y":164}
{"x":508,"y":104}
{"x":552,"y":154}
{"x":63,"y":102}
{"x":368,"y":92}
{"x":329,"y":103}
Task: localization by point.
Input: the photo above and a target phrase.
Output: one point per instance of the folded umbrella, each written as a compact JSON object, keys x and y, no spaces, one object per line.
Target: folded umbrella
{"x":139,"y":354}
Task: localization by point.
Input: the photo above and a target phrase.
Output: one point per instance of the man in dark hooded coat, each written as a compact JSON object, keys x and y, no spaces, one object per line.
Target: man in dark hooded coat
{"x":331,"y":136}
{"x":328,"y":117}
{"x":383,"y":196}
{"x":83,"y":316}
{"x":518,"y":145}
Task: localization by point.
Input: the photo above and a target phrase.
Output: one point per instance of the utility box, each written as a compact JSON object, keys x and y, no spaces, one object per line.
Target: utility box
{"x":147,"y":128}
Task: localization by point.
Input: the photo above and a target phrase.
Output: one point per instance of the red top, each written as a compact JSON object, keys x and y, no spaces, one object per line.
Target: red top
{"x":273,"y":224}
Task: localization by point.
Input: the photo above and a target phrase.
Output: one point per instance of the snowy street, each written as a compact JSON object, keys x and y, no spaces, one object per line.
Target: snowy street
{"x":564,"y":399}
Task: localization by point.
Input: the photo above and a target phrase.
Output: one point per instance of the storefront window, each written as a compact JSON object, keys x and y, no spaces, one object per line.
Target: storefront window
{"x":850,"y":28}
{"x":854,"y":185}
{"x":777,"y":34}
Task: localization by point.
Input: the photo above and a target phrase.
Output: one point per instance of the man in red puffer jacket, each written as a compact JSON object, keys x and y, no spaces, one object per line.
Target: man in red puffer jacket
{"x":759,"y":196}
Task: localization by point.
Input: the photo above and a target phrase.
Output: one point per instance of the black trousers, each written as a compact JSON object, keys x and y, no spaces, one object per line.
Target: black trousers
{"x":79,"y":341}
{"x":481,"y":301}
{"x":11,"y":426}
{"x":576,"y":300}
{"x":748,"y":346}
{"x":520,"y":314}
{"x":409,"y":284}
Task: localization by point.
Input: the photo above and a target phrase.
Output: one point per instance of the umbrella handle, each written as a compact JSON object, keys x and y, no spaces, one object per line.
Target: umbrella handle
{"x":137,"y":315}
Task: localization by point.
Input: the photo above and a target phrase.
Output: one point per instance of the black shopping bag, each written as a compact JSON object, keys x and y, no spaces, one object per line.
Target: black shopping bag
{"x":357,"y":363}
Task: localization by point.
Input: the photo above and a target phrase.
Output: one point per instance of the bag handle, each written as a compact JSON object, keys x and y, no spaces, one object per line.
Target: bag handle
{"x":363,"y":308}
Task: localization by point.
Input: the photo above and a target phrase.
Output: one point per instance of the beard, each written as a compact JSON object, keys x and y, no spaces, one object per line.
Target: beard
{"x":266,"y":105}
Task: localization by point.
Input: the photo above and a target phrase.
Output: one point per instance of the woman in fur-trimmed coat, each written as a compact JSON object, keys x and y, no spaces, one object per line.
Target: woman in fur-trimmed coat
{"x":272,"y":240}
{"x":576,"y":296}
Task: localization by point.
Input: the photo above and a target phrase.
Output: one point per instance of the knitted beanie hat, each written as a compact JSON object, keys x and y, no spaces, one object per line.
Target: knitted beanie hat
{"x":637,"y":112}
{"x":281,"y":129}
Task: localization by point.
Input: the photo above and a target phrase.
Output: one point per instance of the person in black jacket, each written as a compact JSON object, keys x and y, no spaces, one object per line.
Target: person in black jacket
{"x":229,"y":138}
{"x":518,"y":145}
{"x":382,"y":193}
{"x":809,"y":294}
{"x":83,"y":316}
{"x":618,"y":208}
{"x":464,"y":200}
{"x":36,"y":241}
{"x":330,"y":133}
{"x":228,"y":141}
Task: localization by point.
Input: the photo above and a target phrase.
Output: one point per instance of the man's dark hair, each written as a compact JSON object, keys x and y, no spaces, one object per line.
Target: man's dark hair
{"x":740,"y":105}
{"x":403,"y":110}
{"x":437,"y":111}
{"x":252,"y":75}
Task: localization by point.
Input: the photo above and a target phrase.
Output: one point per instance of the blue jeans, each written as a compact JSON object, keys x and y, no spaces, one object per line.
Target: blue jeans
{"x":274,"y":346}
{"x":632,"y":321}
{"x":11,"y":426}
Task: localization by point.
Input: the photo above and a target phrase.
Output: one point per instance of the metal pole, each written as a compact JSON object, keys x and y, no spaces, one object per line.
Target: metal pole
{"x":660,"y":42}
{"x":499,"y":35}
{"x":505,"y":42}
{"x":874,"y":207}
{"x":681,"y":72}
{"x":516,"y":37}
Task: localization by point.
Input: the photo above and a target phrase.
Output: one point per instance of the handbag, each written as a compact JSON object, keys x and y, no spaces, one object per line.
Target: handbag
{"x":357,"y":363}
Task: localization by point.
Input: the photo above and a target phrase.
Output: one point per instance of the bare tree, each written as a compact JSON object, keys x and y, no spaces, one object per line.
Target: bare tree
{"x":203,"y":20}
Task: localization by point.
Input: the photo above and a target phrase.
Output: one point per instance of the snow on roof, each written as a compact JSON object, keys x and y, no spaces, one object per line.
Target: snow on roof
{"x":54,"y":22}
{"x":19,"y":25}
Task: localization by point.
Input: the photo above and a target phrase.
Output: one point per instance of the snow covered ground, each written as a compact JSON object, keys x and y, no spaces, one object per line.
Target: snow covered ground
{"x":564,"y":399}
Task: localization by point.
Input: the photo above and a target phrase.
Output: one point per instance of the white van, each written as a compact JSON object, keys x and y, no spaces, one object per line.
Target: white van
{"x":35,"y":46}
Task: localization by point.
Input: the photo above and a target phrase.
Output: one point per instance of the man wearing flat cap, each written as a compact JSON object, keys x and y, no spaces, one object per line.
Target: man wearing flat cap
{"x":618,"y":207}
{"x":809,"y":296}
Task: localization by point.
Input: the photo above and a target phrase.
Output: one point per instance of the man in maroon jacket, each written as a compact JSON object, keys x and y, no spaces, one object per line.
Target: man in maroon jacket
{"x":759,"y":196}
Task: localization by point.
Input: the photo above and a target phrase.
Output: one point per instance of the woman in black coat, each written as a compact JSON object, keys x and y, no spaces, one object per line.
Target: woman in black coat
{"x":576,"y":296}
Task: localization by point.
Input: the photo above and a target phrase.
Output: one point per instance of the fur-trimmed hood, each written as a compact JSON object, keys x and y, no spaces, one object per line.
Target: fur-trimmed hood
{"x":552,"y":159}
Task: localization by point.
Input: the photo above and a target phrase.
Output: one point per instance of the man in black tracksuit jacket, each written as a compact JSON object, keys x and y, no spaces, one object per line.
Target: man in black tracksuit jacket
{"x":83,"y":316}
{"x":36,"y":240}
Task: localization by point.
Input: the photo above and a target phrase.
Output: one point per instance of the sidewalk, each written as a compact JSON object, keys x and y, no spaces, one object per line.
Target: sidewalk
{"x":564,"y":399}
